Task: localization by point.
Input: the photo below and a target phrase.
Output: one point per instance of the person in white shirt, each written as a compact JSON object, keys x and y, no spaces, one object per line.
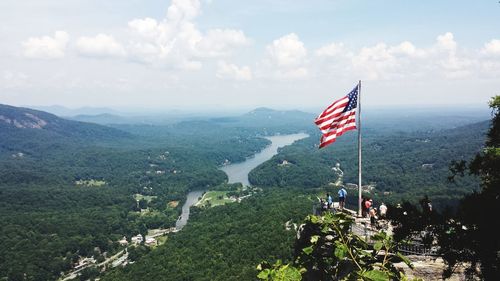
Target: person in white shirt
{"x":382,"y":210}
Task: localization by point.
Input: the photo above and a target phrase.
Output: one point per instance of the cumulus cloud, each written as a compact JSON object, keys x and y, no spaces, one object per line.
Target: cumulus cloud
{"x":492,"y":48}
{"x":286,"y":58}
{"x":450,"y":61}
{"x":101,"y":45}
{"x":382,"y":62}
{"x":404,"y":60}
{"x":181,"y":10}
{"x":177,"y":41}
{"x":172,"y":42}
{"x":231,"y":71}
{"x":447,"y":42}
{"x":287,"y":51}
{"x":46,"y":47}
{"x":375,"y":62}
{"x":406,"y":48}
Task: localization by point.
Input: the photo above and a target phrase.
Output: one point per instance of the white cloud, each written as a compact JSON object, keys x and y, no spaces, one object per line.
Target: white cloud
{"x":451,"y":62}
{"x":447,"y":42}
{"x":181,"y":10}
{"x":286,"y":59}
{"x":287,"y":51}
{"x":147,"y":27}
{"x":492,"y":48}
{"x":230,"y":71}
{"x":406,"y":48}
{"x":404,"y":60}
{"x":375,"y":62}
{"x":176,"y":41}
{"x":172,"y":42}
{"x":101,"y":45}
{"x":46,"y":47}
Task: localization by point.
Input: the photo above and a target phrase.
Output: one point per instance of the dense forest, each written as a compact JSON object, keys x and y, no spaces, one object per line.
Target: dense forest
{"x":70,"y":189}
{"x":396,"y":165}
{"x":67,"y":188}
{"x":226,"y":242}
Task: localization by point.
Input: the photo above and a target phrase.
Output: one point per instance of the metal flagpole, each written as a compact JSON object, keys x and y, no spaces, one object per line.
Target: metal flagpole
{"x":359,"y":148}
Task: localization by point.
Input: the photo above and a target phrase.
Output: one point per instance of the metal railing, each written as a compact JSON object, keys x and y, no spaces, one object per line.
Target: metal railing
{"x":417,"y":248}
{"x":413,"y":247}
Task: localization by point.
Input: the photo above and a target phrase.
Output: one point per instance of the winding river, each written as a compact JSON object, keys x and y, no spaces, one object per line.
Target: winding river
{"x":192,"y":198}
{"x":238,"y":172}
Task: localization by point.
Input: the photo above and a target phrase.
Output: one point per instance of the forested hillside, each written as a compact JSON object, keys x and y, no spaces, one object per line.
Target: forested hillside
{"x":226,"y":242}
{"x":67,"y":189}
{"x":70,"y":190}
{"x":398,"y":165}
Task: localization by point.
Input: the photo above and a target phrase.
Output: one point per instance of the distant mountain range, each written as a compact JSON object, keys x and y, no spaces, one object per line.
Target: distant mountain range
{"x":266,"y":118}
{"x":33,"y":131}
{"x":65,"y":111}
{"x":103,"y":119}
{"x":28,"y":129}
{"x":262,"y":117}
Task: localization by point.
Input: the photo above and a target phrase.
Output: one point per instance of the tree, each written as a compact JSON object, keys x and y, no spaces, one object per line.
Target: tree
{"x":89,"y":273}
{"x":475,"y":226}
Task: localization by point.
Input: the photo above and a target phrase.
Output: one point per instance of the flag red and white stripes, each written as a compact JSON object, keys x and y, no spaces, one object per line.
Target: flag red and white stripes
{"x":338,"y":118}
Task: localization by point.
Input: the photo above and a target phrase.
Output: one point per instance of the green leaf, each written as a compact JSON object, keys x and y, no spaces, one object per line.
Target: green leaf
{"x":375,"y":275}
{"x":290,"y":273}
{"x":340,"y":252}
{"x":264,"y":274}
{"x":314,"y":239}
{"x":308,"y":250}
{"x":314,"y":219}
{"x":405,"y":260}
{"x":378,"y":245}
{"x":379,"y":236}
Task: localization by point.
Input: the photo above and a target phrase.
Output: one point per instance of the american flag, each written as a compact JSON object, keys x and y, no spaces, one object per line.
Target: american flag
{"x":338,"y":118}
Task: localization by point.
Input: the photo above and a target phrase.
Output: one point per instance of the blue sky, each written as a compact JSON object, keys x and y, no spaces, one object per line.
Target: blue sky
{"x":237,"y":55}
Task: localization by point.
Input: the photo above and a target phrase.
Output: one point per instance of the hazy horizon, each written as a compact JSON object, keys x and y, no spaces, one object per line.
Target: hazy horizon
{"x":387,"y":110}
{"x":221,"y":55}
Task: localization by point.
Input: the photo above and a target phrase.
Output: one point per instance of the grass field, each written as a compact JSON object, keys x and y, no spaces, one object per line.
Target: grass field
{"x":161,"y":240}
{"x":214,"y":198}
{"x":139,"y":197}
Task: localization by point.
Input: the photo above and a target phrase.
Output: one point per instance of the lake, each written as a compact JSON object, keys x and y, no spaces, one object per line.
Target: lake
{"x":238,"y":172}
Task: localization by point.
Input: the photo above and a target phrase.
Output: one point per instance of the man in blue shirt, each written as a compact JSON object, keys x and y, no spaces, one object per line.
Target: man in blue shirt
{"x":342,"y":196}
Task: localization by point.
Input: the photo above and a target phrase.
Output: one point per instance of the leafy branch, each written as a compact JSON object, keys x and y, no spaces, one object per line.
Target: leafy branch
{"x":327,"y":249}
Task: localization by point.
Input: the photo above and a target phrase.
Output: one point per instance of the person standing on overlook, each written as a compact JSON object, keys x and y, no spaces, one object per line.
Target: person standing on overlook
{"x":373,"y":216}
{"x":329,"y":199}
{"x":382,"y":210}
{"x":363,"y":208}
{"x":368,"y":205}
{"x":426,"y":206}
{"x":342,"y":196}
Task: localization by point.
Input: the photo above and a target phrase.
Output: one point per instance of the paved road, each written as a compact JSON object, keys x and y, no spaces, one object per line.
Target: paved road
{"x":74,"y":274}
